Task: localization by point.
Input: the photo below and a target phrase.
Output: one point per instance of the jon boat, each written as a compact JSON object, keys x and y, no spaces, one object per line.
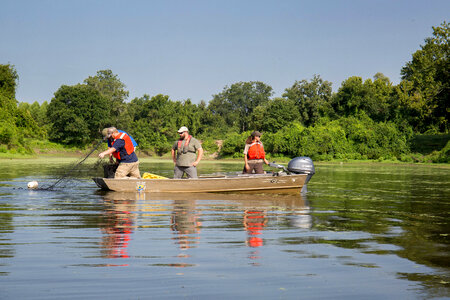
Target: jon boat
{"x":292,"y":179}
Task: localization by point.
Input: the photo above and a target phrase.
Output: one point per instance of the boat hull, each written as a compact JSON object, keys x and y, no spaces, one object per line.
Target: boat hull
{"x":288,"y":183}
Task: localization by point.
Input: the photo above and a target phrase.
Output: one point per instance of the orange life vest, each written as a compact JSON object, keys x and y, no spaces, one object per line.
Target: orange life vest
{"x":185,"y":147}
{"x":256,"y":151}
{"x":129,"y":148}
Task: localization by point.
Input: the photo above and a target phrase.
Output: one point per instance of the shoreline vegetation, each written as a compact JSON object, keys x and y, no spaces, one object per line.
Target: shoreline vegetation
{"x":429,"y":147}
{"x":363,"y":120}
{"x":70,"y":158}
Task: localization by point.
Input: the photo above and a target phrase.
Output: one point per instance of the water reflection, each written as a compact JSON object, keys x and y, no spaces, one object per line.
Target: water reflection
{"x":184,"y":216}
{"x":254,"y":223}
{"x":185,"y":223}
{"x":363,"y":232}
{"x":119,"y":221}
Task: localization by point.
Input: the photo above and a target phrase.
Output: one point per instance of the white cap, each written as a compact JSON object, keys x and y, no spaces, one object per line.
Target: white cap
{"x":182,"y":129}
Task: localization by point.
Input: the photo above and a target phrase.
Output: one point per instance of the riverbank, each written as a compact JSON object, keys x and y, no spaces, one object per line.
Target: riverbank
{"x":58,"y":157}
{"x":427,"y":149}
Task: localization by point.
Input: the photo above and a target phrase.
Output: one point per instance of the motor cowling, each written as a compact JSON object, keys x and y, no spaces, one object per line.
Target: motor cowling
{"x":302,"y":165}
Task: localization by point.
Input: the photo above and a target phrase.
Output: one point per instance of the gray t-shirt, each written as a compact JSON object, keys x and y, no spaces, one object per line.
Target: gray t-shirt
{"x":186,"y":159}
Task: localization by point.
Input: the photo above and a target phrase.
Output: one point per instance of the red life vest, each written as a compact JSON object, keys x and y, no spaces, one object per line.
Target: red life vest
{"x":186,"y":145}
{"x":256,"y":151}
{"x":129,"y":148}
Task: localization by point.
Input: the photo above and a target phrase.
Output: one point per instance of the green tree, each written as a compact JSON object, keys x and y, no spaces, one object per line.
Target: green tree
{"x":38,"y":112}
{"x":375,"y":98}
{"x":237,"y":103}
{"x":112,"y":89}
{"x":154,"y":122}
{"x":212,"y":126}
{"x":428,"y":74}
{"x":276,"y":114}
{"x":8,"y":81}
{"x":77,"y":115}
{"x":15,"y":123}
{"x":312,"y":98}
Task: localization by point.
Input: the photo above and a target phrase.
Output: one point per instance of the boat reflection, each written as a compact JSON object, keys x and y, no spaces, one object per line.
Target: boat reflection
{"x":185,"y":210}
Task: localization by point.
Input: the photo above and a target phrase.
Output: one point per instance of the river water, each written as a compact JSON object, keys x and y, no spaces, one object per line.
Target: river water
{"x":363,"y":231}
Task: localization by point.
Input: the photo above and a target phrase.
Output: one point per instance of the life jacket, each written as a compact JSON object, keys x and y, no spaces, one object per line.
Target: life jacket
{"x":129,"y":148}
{"x":256,"y":151}
{"x":185,"y":147}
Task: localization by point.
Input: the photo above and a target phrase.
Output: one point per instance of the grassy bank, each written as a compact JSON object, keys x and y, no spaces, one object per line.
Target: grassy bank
{"x":424,"y":149}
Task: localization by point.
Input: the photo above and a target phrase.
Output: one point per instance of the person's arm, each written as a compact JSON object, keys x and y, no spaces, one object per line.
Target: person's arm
{"x":173,"y":156}
{"x":246,"y":166}
{"x":246,"y":162}
{"x":199,"y":157}
{"x":265,"y":160}
{"x":107,"y":152}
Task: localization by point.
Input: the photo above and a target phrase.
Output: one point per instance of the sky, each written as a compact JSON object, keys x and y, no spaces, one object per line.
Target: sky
{"x":190,"y":49}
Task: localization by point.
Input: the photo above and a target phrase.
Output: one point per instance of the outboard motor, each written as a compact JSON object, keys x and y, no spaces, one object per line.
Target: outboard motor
{"x":302,"y":165}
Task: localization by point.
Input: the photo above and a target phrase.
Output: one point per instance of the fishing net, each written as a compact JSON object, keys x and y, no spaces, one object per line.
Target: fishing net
{"x":73,"y":171}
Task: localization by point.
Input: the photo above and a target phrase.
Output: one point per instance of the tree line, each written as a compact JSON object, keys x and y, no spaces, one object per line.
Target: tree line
{"x":363,"y":119}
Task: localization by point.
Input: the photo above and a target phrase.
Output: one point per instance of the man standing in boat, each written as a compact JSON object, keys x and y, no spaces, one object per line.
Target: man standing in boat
{"x":186,"y":158}
{"x":122,"y":149}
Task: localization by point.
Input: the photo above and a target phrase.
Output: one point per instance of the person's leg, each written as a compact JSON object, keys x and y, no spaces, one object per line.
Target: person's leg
{"x":251,"y":167}
{"x":122,"y":171}
{"x":134,"y":170}
{"x":258,"y":167}
{"x":191,"y":172}
{"x":177,"y":172}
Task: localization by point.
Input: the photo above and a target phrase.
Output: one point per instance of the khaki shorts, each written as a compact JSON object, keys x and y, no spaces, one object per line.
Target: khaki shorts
{"x":128,"y":170}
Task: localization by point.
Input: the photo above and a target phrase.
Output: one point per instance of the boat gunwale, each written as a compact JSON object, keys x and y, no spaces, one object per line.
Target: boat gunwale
{"x":235,"y":177}
{"x":285,"y":184}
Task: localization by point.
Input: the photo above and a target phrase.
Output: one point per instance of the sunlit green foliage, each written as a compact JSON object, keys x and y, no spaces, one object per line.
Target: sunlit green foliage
{"x":38,"y":112}
{"x":427,"y":78}
{"x":274,"y":115}
{"x":236,"y":103}
{"x":113,"y":90}
{"x":155,"y":121}
{"x":234,"y":144}
{"x":15,"y":123}
{"x":77,"y":114}
{"x":374,"y":98}
{"x":312,"y":99}
{"x":349,"y":138}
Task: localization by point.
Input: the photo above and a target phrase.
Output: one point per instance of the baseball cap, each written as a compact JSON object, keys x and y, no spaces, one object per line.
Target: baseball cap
{"x":256,"y":133}
{"x":183,"y":129}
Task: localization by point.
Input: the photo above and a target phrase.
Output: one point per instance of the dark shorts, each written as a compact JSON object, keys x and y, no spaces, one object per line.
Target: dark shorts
{"x":257,"y":167}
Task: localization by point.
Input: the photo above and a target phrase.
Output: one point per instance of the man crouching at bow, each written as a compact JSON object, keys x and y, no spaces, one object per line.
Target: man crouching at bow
{"x":122,"y":149}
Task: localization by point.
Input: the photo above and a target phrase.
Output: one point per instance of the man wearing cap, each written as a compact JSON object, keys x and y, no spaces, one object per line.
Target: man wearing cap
{"x":107,"y":133}
{"x":254,"y":155}
{"x":186,"y":158}
{"x":122,"y":149}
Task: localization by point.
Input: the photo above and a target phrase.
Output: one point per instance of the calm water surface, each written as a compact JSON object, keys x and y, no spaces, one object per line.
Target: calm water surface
{"x":367,"y":231}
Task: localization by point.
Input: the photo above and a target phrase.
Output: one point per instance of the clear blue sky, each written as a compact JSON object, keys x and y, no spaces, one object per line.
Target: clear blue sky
{"x":193,"y":49}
